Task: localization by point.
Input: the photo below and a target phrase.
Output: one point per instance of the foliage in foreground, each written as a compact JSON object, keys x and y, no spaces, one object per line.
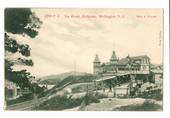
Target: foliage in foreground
{"x":64,"y":102}
{"x":59,"y":103}
{"x":152,"y":94}
{"x":20,"y":21}
{"x":148,"y":105}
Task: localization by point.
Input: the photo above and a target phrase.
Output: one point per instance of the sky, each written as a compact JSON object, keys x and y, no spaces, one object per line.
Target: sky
{"x":69,"y":39}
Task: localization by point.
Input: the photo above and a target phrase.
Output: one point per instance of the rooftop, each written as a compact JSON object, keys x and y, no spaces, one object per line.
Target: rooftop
{"x":113,"y":57}
{"x":96,"y":59}
{"x":129,"y":59}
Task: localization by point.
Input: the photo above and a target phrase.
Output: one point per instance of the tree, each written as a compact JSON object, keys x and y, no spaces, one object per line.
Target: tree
{"x":20,"y":21}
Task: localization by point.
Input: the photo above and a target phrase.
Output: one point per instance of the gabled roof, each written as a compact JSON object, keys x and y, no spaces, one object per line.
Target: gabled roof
{"x":123,"y":61}
{"x":140,"y":57}
{"x":128,"y":59}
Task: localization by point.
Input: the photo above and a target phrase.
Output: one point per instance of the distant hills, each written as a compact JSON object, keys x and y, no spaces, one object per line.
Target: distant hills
{"x":61,"y":79}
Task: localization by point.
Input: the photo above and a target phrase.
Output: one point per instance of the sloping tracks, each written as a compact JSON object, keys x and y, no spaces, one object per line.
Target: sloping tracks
{"x":31,"y":104}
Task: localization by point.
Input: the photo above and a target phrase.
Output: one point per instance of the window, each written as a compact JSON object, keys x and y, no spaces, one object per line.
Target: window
{"x":144,"y":67}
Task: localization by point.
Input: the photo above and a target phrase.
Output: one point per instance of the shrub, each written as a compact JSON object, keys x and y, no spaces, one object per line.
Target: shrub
{"x":91,"y":98}
{"x":152,"y":94}
{"x":148,"y":105}
{"x":64,"y":102}
{"x":60,"y":103}
{"x":100,"y":95}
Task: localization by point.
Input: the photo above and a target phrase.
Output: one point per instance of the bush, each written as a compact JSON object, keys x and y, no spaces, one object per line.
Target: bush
{"x":152,"y":94}
{"x":63,"y":102}
{"x":60,"y":103}
{"x":100,"y":95}
{"x":148,"y":105}
{"x":91,"y":98}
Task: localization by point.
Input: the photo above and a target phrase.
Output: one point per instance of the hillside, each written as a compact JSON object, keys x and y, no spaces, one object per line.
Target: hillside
{"x":78,"y":79}
{"x":67,"y":77}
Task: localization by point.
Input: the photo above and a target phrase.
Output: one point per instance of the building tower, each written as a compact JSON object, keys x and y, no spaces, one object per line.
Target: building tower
{"x":96,"y":65}
{"x":113,"y":63}
{"x":113,"y":59}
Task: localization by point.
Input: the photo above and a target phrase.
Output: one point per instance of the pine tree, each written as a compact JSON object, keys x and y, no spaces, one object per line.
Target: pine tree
{"x":20,"y":21}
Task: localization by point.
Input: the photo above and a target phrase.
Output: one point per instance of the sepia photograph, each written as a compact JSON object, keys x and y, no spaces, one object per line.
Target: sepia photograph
{"x":83,"y":59}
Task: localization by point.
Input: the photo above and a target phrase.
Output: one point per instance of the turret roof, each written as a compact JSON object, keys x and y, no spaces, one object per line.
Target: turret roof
{"x":96,"y":59}
{"x":113,"y":57}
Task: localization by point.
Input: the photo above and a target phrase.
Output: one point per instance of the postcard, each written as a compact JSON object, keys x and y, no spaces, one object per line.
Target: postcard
{"x":83,"y":59}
